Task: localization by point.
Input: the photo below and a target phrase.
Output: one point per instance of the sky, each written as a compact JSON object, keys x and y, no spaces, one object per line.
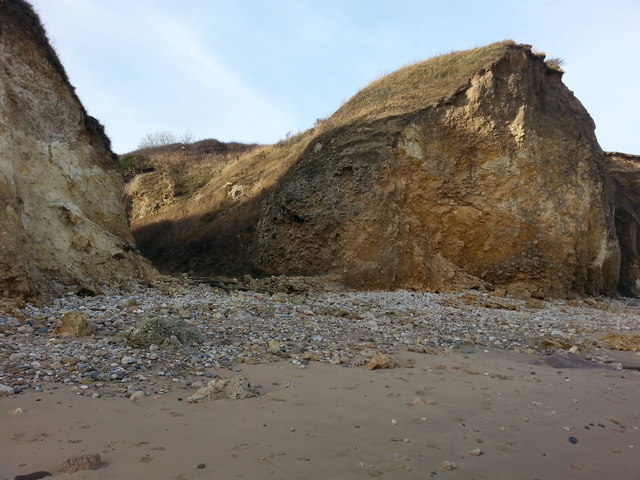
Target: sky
{"x":256,"y":70}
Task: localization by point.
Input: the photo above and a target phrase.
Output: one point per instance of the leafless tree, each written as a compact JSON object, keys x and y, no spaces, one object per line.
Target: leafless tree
{"x":157,"y":139}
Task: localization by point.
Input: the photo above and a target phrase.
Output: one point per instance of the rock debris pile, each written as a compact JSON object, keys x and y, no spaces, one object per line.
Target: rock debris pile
{"x":180,"y":335}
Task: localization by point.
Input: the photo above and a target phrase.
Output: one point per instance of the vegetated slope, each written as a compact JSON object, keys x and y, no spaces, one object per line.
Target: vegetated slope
{"x":62,"y":208}
{"x":184,"y":226}
{"x":476,"y":168}
{"x":196,"y":210}
{"x":625,"y":170}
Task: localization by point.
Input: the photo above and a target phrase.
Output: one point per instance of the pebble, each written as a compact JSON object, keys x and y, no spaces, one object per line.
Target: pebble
{"x":477,"y":452}
{"x":137,"y":395}
{"x":326,"y":324}
{"x":127,"y":360}
{"x":449,"y":465}
{"x":5,"y":391}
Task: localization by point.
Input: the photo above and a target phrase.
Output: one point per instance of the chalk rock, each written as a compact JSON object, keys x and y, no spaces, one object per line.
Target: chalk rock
{"x":211,"y":392}
{"x":137,"y":395}
{"x":237,"y":388}
{"x":448,"y":465}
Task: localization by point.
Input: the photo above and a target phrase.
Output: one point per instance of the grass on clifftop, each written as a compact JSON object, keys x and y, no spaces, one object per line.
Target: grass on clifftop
{"x":419,"y":85}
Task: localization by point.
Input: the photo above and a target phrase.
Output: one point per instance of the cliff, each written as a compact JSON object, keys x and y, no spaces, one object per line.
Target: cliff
{"x":488,"y":172}
{"x":62,"y":208}
{"x":625,"y":171}
{"x":472,"y":169}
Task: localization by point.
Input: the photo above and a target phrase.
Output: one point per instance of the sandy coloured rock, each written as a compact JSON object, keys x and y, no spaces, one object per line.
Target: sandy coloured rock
{"x":75,"y":324}
{"x":239,"y":388}
{"x":381,"y":360}
{"x":82,"y":462}
{"x":62,"y":209}
{"x":497,"y":180}
{"x":622,"y":341}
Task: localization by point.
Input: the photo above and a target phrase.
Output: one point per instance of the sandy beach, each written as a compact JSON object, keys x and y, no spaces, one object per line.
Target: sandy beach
{"x":481,"y":415}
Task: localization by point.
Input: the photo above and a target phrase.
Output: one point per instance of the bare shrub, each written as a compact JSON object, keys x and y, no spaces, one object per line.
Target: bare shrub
{"x":157,"y":139}
{"x":187,"y":138}
{"x":555,"y":63}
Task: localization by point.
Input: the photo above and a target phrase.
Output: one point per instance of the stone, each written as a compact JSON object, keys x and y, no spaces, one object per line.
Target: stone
{"x":622,"y":341}
{"x":6,"y":391}
{"x":239,"y":388}
{"x":568,"y":360}
{"x":381,"y":360}
{"x":33,"y":476}
{"x":82,"y":462}
{"x":127,"y":360}
{"x":75,"y":324}
{"x":449,"y":465}
{"x":137,"y":395}
{"x":62,"y":211}
{"x":210,"y":392}
{"x":159,"y":331}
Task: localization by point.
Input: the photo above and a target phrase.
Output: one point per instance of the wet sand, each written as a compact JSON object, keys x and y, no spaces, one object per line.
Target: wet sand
{"x":326,"y":421}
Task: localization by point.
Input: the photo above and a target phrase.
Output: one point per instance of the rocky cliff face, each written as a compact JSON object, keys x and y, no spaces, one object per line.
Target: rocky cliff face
{"x":499,"y":181}
{"x":62,"y":211}
{"x":625,"y":170}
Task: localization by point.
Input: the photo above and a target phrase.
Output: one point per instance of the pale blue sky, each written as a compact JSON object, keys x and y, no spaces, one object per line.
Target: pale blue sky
{"x":253,"y":70}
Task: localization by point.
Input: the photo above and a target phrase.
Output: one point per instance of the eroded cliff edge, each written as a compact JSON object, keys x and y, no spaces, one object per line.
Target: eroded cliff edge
{"x":477,"y":168}
{"x":62,"y":208}
{"x":500,"y":181}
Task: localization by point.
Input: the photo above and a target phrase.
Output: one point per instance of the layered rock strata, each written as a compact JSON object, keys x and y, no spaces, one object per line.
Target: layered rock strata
{"x":62,"y":211}
{"x":500,"y":181}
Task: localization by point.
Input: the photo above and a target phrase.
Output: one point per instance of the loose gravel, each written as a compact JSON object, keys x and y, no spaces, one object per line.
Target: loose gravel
{"x":296,"y":320}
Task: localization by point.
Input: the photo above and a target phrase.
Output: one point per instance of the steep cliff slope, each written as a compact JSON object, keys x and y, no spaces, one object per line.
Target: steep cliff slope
{"x":62,"y":209}
{"x":625,"y":170}
{"x":473,"y":168}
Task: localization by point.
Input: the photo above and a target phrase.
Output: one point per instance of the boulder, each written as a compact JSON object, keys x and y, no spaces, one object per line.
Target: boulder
{"x":75,"y":324}
{"x":165,"y":332}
